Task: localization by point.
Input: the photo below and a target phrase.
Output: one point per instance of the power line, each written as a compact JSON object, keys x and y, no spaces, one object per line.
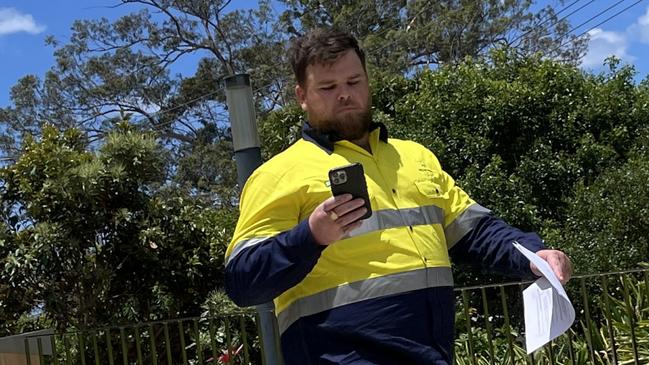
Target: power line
{"x":597,"y":15}
{"x":613,"y":16}
{"x":573,"y":28}
{"x":190,"y":102}
{"x":556,"y":22}
{"x":598,"y":24}
{"x":158,"y":127}
{"x":529,"y":31}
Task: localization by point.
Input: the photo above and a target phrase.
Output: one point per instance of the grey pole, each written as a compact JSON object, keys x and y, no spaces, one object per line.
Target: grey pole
{"x":247,"y":155}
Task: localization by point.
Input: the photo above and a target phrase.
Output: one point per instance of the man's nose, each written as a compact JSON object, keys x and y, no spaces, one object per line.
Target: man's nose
{"x":344,"y":94}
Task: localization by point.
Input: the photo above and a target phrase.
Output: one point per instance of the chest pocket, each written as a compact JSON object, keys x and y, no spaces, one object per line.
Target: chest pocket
{"x":429,"y":184}
{"x":429,"y":188}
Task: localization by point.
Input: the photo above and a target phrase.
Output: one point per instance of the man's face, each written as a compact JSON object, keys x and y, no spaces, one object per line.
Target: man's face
{"x":336,"y":97}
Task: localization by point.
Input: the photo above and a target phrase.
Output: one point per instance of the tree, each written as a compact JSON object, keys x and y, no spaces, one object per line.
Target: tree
{"x":406,"y":35}
{"x":606,"y":229}
{"x":94,"y":238}
{"x":529,"y":138}
{"x":112,"y":71}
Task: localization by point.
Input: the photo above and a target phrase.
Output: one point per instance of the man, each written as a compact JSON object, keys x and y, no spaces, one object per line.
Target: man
{"x":346,"y":291}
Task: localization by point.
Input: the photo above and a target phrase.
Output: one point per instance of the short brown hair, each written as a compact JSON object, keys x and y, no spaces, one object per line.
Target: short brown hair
{"x":323,"y":46}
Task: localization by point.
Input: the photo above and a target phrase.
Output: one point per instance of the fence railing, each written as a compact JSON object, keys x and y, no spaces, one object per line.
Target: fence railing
{"x":228,"y":339}
{"x":611,"y":324}
{"x":611,"y":327}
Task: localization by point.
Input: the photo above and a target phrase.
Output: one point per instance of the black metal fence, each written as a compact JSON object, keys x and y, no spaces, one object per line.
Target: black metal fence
{"x":611,"y":324}
{"x":219,"y":340}
{"x":611,"y":327}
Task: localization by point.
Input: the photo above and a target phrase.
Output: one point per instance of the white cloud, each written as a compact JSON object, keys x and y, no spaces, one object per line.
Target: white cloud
{"x":640,"y":29}
{"x":603,"y":44}
{"x":12,"y":21}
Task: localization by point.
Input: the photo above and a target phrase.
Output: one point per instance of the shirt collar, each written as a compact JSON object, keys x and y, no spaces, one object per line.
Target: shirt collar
{"x":326,"y":140}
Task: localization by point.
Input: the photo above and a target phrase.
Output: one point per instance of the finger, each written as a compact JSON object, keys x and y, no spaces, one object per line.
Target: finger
{"x":351,"y":217}
{"x":558,"y":267}
{"x":567,"y":267}
{"x":333,"y":202}
{"x":535,"y":270}
{"x":555,"y":266}
{"x":349,"y":206}
{"x":352,"y":226}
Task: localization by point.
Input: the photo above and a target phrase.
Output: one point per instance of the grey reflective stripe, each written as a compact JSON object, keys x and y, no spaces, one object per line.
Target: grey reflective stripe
{"x":363,"y":290}
{"x":392,"y":218}
{"x":464,"y":223}
{"x":382,"y":219}
{"x":242,"y":245}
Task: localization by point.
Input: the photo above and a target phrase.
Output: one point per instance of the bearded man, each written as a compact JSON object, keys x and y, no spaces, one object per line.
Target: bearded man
{"x":352,"y":291}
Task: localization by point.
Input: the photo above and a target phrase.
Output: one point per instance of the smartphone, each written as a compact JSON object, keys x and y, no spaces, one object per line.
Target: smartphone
{"x":350,"y":179}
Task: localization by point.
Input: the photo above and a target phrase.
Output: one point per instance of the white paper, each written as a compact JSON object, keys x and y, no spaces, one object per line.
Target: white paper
{"x":548,"y":310}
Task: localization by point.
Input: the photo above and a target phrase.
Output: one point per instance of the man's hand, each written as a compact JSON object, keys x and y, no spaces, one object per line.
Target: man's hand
{"x":558,"y":261}
{"x":336,"y":216}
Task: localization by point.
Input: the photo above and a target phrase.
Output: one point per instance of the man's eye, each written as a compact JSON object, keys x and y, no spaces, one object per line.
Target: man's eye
{"x":352,"y":82}
{"x":330,"y":87}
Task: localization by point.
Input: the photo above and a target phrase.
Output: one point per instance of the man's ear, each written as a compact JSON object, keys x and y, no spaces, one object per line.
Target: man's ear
{"x":300,"y":95}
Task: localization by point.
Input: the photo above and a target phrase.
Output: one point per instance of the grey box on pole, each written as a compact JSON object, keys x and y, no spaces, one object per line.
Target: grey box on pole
{"x":241,"y":108}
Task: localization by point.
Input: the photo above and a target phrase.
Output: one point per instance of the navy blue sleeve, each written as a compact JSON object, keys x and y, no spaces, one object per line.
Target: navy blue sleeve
{"x":260,"y":273}
{"x":489,"y":246}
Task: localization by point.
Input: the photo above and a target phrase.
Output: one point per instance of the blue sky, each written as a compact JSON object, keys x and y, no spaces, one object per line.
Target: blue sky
{"x":24,"y":24}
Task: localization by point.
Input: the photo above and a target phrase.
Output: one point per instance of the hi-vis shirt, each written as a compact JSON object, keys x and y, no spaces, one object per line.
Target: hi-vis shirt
{"x":382,"y":294}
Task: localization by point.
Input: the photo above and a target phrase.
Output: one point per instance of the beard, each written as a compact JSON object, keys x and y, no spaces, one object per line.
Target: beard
{"x":350,"y":126}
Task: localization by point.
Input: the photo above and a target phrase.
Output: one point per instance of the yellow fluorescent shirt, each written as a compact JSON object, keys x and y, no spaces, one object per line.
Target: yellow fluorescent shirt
{"x":415,"y":208}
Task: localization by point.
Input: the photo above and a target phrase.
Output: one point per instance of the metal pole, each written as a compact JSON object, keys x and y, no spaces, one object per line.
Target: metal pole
{"x":247,"y":155}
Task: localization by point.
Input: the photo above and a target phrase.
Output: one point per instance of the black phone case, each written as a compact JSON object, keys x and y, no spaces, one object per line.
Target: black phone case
{"x":355,"y":184}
